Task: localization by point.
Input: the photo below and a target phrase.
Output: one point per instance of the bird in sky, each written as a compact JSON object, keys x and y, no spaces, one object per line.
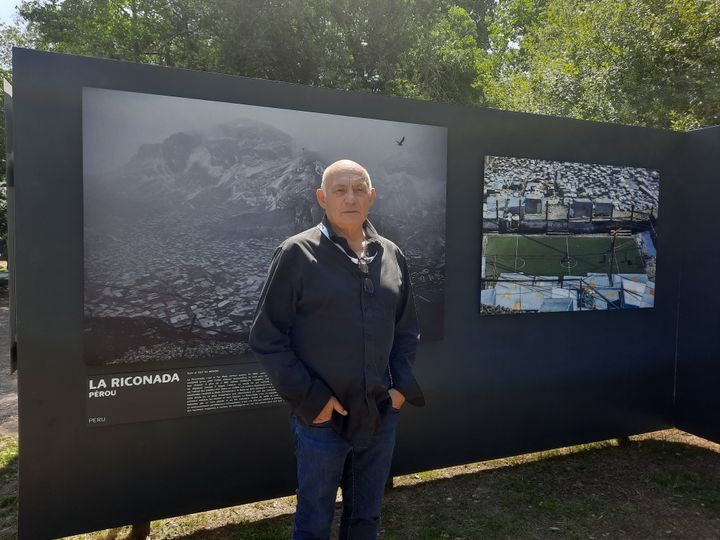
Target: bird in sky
{"x":401,"y":141}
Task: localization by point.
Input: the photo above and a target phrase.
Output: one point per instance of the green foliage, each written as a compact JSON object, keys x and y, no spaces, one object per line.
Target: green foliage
{"x":353,"y":44}
{"x":441,"y":64}
{"x":642,"y":62}
{"x":169,"y":33}
{"x":8,"y":484}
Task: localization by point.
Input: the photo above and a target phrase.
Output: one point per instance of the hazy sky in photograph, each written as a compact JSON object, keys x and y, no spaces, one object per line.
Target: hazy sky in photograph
{"x":116,"y":124}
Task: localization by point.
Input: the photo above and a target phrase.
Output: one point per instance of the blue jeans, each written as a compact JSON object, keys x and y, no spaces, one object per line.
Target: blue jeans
{"x":325,"y":461}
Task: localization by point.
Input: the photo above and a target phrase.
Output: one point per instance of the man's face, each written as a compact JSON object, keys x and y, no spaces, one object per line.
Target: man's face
{"x":347,"y":198}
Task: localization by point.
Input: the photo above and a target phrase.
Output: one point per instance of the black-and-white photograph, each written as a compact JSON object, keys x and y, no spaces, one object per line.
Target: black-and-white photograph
{"x":185,"y":201}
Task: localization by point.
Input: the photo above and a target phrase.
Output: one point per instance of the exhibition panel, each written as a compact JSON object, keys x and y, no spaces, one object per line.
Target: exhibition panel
{"x":147,"y":204}
{"x":697,"y":393}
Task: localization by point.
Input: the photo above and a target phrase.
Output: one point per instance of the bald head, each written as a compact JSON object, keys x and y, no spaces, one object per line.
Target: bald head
{"x":346,"y":195}
{"x":345,"y":167}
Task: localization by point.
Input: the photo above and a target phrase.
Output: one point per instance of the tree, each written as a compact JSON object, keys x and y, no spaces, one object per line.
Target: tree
{"x":352,"y":44}
{"x":173,"y":33}
{"x":10,"y":36}
{"x":639,"y":62}
{"x":442,"y":63}
{"x":643,"y":62}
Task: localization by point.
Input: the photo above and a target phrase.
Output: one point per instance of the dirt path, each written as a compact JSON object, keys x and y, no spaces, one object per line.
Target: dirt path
{"x":8,"y":381}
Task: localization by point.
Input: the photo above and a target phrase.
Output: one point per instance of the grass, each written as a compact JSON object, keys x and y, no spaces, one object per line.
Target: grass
{"x":659,"y":485}
{"x":8,"y":487}
{"x":548,"y":255}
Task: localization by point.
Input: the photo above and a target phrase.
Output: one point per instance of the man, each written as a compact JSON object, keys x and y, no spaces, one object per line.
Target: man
{"x":336,"y":331}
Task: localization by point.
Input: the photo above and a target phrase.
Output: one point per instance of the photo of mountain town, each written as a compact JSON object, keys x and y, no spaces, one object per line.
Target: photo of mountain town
{"x":560,"y":236}
{"x":185,"y":201}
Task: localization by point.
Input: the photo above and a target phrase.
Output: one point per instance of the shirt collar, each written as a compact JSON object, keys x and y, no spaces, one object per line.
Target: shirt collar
{"x":371,"y":238}
{"x":371,"y":234}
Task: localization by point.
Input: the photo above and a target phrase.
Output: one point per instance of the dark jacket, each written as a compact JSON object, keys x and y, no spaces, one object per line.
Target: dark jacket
{"x":318,"y":333}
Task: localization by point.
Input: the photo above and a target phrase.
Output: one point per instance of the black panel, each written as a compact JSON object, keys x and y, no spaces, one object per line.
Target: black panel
{"x":698,"y":368}
{"x":495,"y":387}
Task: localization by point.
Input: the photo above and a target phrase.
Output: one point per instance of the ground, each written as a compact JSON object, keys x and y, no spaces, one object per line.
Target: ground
{"x":544,"y":255}
{"x":8,"y":381}
{"x":663,"y":485}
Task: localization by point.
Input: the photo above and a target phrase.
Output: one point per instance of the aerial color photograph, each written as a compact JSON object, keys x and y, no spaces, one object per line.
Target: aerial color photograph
{"x":563,"y":236}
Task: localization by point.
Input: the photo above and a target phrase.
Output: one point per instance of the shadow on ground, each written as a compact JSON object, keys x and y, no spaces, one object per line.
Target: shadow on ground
{"x":645,"y":489}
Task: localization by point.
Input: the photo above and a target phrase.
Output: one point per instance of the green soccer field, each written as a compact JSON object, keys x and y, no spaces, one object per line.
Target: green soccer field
{"x":560,"y":255}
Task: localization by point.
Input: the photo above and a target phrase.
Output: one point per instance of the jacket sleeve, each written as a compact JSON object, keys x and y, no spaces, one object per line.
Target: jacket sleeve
{"x":407,"y":336}
{"x":271,"y":343}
